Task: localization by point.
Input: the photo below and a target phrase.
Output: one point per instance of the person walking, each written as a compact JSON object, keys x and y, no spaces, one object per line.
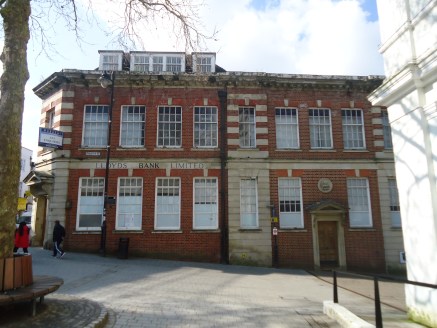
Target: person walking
{"x":58,"y":237}
{"x":22,"y":234}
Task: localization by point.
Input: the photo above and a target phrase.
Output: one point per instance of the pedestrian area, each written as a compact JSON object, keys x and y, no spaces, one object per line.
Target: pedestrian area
{"x":157,"y":293}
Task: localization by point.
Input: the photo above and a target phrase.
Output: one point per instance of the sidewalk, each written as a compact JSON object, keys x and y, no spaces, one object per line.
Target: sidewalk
{"x":110,"y":292}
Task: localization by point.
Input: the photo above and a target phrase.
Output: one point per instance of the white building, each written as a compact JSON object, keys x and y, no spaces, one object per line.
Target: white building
{"x":408,"y":45}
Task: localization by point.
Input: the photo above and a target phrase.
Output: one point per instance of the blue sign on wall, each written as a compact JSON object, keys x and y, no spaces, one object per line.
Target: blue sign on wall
{"x":50,"y":138}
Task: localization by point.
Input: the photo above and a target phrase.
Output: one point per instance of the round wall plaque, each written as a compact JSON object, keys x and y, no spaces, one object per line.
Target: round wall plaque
{"x":325,"y":185}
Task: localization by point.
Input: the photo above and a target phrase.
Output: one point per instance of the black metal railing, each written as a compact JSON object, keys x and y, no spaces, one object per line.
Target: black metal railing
{"x":376,"y":279}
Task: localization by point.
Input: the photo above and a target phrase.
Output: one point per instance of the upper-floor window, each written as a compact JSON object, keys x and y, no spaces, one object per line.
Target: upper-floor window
{"x":290,"y":203}
{"x":395,"y":209}
{"x":388,"y":144}
{"x":50,"y":118}
{"x":95,"y":126}
{"x":169,"y":126}
{"x":203,"y":62}
{"x":139,"y":62}
{"x":205,"y":211}
{"x":173,"y":64}
{"x":287,"y":128}
{"x":90,"y":203}
{"x":110,"y":60}
{"x":359,"y":202}
{"x":353,"y":128}
{"x":129,"y":203}
{"x":246,"y":124}
{"x":167,"y":208}
{"x":133,"y":120}
{"x":248,"y":203}
{"x":205,"y":126}
{"x":158,"y":64}
{"x":320,"y":128}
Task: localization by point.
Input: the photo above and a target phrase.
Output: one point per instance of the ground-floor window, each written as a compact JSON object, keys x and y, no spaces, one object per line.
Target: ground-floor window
{"x":205,"y":203}
{"x":248,"y":203}
{"x":129,"y":203}
{"x":359,"y":202}
{"x":90,"y":204}
{"x":290,"y":203}
{"x":167,"y":209}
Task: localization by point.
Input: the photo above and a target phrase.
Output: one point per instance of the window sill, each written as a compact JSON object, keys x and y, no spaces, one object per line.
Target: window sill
{"x":205,"y":230}
{"x":362,"y":229}
{"x":167,"y":231}
{"x":288,"y":149}
{"x":139,"y":148}
{"x":128,"y":231}
{"x":87,"y":232}
{"x":355,"y":150}
{"x":204,"y":149}
{"x":169,"y":149}
{"x":318,"y":150}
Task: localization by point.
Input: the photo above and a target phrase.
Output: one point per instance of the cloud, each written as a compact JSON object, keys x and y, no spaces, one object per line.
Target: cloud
{"x":296,"y":36}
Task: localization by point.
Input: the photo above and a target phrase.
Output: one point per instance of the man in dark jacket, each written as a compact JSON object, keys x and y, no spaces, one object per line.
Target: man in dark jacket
{"x":58,"y":237}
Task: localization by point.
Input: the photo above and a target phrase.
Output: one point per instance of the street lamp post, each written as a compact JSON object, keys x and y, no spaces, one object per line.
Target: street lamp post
{"x":106,"y":80}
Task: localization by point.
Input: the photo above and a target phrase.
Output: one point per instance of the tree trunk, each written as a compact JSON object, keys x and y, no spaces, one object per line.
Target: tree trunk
{"x":15,"y":14}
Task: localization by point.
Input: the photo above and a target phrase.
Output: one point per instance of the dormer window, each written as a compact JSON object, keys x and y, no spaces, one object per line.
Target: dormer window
{"x":110,"y":60}
{"x":174,"y":64}
{"x":158,"y":64}
{"x":139,"y":62}
{"x":203,"y":62}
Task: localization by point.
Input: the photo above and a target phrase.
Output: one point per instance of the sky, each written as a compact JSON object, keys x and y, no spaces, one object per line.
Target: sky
{"x":321,"y":37}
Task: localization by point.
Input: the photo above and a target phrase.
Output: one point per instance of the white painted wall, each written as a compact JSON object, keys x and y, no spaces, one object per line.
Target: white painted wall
{"x":409,"y":48}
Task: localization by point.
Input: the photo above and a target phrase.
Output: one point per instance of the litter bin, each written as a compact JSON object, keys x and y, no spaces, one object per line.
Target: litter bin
{"x":123,"y":248}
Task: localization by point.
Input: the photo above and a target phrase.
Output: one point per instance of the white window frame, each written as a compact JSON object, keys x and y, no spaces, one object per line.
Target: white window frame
{"x":95,"y":187}
{"x":51,"y":118}
{"x":360,"y":209}
{"x":247,"y":127}
{"x":386,"y":128}
{"x":129,"y":203}
{"x":132,"y":126}
{"x":352,"y":120}
{"x":110,"y":60}
{"x":139,"y":62}
{"x":249,"y":203}
{"x":169,"y":206}
{"x":320,"y":128}
{"x":173,"y":64}
{"x":166,"y":137}
{"x":395,"y":209}
{"x":205,"y":203}
{"x":205,"y":127}
{"x":203,"y":62}
{"x":97,"y":122}
{"x":287,"y":128}
{"x":290,"y":203}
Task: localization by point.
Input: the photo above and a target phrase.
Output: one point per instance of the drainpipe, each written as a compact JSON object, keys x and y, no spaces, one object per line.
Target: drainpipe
{"x":223,"y":96}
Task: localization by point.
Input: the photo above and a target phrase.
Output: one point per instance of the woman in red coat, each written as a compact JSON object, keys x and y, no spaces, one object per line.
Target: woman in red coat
{"x":22,"y":237}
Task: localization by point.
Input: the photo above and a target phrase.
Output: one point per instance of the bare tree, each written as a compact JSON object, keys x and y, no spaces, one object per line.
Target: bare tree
{"x":183,"y":16}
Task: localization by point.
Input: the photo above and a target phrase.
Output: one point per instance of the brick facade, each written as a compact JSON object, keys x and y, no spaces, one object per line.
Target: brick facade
{"x":68,"y":92}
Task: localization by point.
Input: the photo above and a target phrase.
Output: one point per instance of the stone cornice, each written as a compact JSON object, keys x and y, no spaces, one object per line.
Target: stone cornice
{"x":61,"y":79}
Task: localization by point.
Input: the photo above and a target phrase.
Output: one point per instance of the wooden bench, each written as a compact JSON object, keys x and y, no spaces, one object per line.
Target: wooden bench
{"x":41,"y":286}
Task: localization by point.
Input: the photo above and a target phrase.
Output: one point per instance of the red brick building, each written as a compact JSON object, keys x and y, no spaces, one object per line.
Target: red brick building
{"x":208,"y":165}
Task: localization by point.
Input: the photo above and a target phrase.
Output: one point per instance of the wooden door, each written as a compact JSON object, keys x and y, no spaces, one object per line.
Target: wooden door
{"x":328,"y":244}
